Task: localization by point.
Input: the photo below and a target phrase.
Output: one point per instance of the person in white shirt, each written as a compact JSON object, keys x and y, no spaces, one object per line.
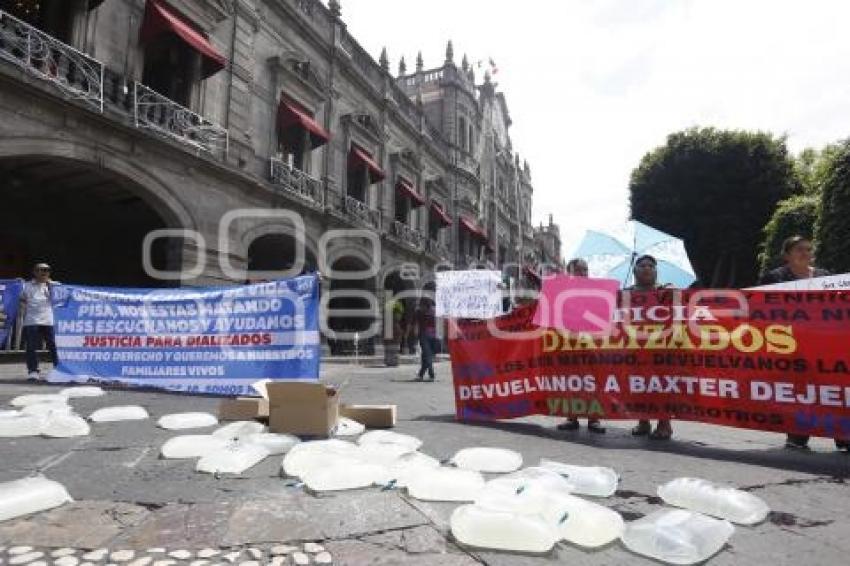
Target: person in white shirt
{"x":38,"y":317}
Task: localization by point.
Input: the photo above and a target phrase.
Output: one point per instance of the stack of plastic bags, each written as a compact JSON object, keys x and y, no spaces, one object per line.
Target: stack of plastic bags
{"x":46,"y":414}
{"x":231,"y":449}
{"x":689,"y":535}
{"x":530,"y":510}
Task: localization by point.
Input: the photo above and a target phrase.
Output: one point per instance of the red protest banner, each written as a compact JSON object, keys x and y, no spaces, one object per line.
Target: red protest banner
{"x":777,"y":361}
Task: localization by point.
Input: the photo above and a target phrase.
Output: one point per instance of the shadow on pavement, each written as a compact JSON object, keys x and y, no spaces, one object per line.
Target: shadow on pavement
{"x":835,"y":464}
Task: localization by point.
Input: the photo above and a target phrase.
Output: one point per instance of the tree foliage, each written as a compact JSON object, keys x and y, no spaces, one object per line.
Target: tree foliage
{"x":832,"y":231}
{"x":811,"y":166}
{"x":793,"y":216}
{"x":716,"y":189}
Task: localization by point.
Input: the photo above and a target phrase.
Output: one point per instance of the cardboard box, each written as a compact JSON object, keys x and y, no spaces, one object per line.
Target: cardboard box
{"x":302,"y":407}
{"x":372,"y":416}
{"x":243,"y":409}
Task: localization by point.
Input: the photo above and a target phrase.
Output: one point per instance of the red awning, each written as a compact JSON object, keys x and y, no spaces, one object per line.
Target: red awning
{"x":290,"y":115}
{"x":473,"y":228}
{"x":405,"y":187}
{"x":359,"y":157}
{"x":440,"y":214}
{"x":161,"y":18}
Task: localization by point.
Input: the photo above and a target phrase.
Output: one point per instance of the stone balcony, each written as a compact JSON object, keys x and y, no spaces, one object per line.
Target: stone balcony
{"x":405,"y":234}
{"x":297,"y":183}
{"x":80,"y":77}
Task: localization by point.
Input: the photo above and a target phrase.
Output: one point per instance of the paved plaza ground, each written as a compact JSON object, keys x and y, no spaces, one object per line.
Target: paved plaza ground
{"x":127,"y":499}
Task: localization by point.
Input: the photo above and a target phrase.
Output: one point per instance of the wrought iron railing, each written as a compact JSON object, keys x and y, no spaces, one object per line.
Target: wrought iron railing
{"x":296,"y":182}
{"x":438,"y":249}
{"x":467,"y":163}
{"x":360,"y":211}
{"x":163,"y":115}
{"x":406,"y":234}
{"x":74,"y":73}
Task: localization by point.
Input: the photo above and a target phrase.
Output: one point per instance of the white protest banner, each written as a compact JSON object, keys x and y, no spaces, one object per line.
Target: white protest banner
{"x":469,"y":294}
{"x":829,"y":283}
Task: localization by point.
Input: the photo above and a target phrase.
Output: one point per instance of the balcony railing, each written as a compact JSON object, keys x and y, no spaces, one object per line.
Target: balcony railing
{"x":467,"y":163}
{"x":74,"y":73}
{"x":406,"y":234}
{"x":82,"y":77}
{"x":296,"y":182}
{"x":438,"y":249}
{"x":359,"y":211}
{"x":163,"y":115}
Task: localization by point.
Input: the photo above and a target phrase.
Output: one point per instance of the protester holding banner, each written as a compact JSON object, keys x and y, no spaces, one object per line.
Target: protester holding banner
{"x":798,"y":255}
{"x":426,"y":322}
{"x":38,"y":318}
{"x":646,"y":279}
{"x":577,"y":267}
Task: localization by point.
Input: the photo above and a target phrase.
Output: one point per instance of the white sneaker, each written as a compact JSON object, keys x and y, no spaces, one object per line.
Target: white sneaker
{"x":33,"y":376}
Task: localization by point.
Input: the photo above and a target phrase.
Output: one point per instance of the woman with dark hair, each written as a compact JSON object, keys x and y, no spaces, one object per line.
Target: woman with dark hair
{"x":798,"y":258}
{"x":578,"y":268}
{"x":646,"y":279}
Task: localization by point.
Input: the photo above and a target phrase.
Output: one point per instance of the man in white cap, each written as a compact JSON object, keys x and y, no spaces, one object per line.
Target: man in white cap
{"x":38,"y":317}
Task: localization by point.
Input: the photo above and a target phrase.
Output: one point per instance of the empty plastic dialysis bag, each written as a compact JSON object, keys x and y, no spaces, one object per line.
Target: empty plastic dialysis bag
{"x":47,"y":409}
{"x":192,"y":446}
{"x":575,"y":520}
{"x":445,"y":484}
{"x":399,"y":472}
{"x":273,"y":442}
{"x":390,"y":437}
{"x":482,"y":459}
{"x":502,"y":530}
{"x":239,"y":429}
{"x":21,"y":425}
{"x":315,"y":454}
{"x":345,"y":473}
{"x":382,"y":454}
{"x":232,"y":459}
{"x":30,"y":495}
{"x":59,"y":425}
{"x":714,"y":499}
{"x":24,"y":400}
{"x":582,"y":522}
{"x":544,"y":478}
{"x":119,"y":413}
{"x":82,"y":391}
{"x":677,"y":536}
{"x":348,"y":427}
{"x":585,"y":480}
{"x":180,"y":421}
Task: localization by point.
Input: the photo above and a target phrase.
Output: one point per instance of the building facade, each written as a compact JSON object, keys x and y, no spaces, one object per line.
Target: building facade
{"x":151,"y":142}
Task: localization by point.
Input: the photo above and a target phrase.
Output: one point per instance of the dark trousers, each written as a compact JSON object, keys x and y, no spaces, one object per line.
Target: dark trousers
{"x":34,"y":335}
{"x":427,"y":343}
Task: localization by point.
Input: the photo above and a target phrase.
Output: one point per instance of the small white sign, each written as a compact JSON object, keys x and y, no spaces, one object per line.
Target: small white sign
{"x":828,"y":283}
{"x":469,"y":294}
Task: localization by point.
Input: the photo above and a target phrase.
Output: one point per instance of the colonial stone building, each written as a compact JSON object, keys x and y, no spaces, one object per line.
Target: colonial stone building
{"x":251,"y":134}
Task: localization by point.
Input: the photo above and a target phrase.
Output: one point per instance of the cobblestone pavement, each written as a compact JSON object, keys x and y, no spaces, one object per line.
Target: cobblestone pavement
{"x":133,"y":508}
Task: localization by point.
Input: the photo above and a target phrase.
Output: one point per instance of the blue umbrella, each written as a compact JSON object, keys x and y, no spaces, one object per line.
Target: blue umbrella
{"x":611,"y":254}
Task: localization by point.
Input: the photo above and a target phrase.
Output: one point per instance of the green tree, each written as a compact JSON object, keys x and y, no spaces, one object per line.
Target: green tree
{"x":832,"y":231}
{"x":811,"y":166}
{"x":715,"y":189}
{"x":793,"y":216}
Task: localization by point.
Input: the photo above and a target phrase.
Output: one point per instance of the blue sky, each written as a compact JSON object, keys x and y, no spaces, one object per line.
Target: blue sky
{"x":592,"y":85}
